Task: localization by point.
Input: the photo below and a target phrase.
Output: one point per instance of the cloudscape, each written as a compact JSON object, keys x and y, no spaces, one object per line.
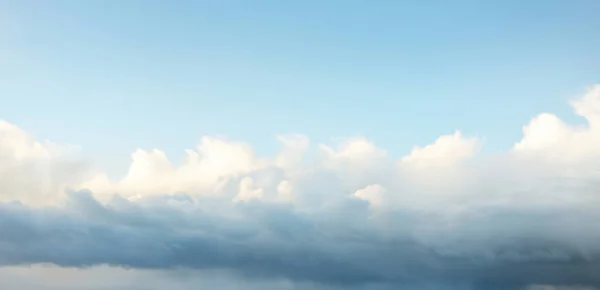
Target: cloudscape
{"x":452,"y":209}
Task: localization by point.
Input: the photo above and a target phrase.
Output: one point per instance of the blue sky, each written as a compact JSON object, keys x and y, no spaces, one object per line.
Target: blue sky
{"x":116,"y":75}
{"x":120,"y":78}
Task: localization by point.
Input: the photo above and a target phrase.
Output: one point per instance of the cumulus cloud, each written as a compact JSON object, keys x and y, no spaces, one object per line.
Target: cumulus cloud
{"x":34,"y":171}
{"x":445,"y":151}
{"x":350,"y":217}
{"x":547,"y":136}
{"x":202,"y":170}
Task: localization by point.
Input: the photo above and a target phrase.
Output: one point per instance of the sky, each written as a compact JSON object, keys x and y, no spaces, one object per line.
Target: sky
{"x":299,"y":145}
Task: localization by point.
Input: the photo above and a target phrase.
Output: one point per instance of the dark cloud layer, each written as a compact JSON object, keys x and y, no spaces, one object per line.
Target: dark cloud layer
{"x":489,"y":248}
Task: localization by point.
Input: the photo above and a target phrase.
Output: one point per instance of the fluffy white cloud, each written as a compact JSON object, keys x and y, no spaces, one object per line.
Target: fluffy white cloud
{"x":549,"y":138}
{"x":355,"y":149}
{"x":33,"y":171}
{"x":350,"y":216}
{"x":445,"y":151}
{"x":203,"y":170}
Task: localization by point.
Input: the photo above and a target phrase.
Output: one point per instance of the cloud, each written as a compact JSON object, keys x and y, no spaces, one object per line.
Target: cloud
{"x":548,"y":137}
{"x":202,"y":170}
{"x":34,"y":171}
{"x":350,"y":217}
{"x":374,"y":194}
{"x":447,"y":150}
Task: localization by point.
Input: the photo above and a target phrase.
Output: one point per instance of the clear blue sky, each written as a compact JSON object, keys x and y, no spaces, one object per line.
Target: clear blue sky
{"x":115,"y":75}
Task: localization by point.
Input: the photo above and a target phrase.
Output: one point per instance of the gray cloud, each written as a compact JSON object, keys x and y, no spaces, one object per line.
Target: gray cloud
{"x":489,"y":247}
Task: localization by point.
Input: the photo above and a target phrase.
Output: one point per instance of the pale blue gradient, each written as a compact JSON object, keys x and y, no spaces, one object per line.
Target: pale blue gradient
{"x":115,"y":75}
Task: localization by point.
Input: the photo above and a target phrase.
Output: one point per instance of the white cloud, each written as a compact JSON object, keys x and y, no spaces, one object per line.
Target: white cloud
{"x":445,"y":151}
{"x":18,"y":145}
{"x":248,"y":190}
{"x":285,"y":190}
{"x":548,"y":138}
{"x":33,"y":171}
{"x":354,"y":149}
{"x":374,"y":194}
{"x":311,"y":218}
{"x":217,"y":166}
{"x":203,"y":170}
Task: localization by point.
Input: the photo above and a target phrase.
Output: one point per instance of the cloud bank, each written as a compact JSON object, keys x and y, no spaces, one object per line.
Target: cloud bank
{"x":341,"y":216}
